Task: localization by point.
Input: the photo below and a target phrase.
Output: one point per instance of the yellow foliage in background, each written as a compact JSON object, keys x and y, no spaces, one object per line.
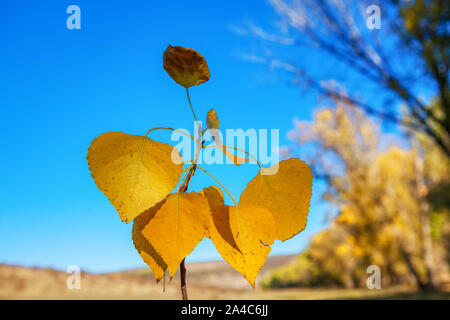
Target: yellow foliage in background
{"x":380,"y":192}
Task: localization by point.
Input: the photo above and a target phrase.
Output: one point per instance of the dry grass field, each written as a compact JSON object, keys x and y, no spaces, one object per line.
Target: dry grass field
{"x":207,"y":280}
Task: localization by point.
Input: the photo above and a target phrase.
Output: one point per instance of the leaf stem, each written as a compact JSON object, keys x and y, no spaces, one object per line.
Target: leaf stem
{"x":182,"y":189}
{"x":183,"y":280}
{"x":167,"y":128}
{"x":198,"y":167}
{"x":192,"y":109}
{"x":186,"y":171}
{"x":248,"y":153}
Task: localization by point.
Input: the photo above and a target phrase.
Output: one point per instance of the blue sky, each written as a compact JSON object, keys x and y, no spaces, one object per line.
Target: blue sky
{"x":61,"y":88}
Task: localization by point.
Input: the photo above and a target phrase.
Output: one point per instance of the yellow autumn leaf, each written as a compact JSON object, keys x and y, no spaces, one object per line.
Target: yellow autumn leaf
{"x":186,"y":66}
{"x":134,"y":172}
{"x":177,"y":227}
{"x":243,"y":236}
{"x":214,"y":196}
{"x":286,"y":195}
{"x":144,"y":247}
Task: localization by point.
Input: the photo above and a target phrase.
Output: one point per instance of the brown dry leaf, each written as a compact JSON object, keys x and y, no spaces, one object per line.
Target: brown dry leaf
{"x":144,"y":247}
{"x":242,"y":236}
{"x":186,"y":66}
{"x":177,"y":227}
{"x":134,"y":172}
{"x":286,"y":195}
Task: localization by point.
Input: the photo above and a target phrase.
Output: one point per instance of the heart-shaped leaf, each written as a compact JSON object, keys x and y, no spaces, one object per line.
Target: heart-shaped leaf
{"x":134,"y":172}
{"x":177,"y":227}
{"x":242,"y":235}
{"x":144,"y":247}
{"x":286,"y":195}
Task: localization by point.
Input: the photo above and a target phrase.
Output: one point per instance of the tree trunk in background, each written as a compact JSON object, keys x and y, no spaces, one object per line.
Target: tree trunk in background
{"x":406,"y":256}
{"x":432,"y":275}
{"x":427,"y":241}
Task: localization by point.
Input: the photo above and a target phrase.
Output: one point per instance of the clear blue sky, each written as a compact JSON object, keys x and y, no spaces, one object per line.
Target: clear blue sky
{"x":61,"y":88}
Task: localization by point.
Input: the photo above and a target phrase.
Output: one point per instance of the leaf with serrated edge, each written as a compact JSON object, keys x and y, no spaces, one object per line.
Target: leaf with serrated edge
{"x":144,"y":247}
{"x":134,"y":172}
{"x":286,"y":195}
{"x":177,"y":227}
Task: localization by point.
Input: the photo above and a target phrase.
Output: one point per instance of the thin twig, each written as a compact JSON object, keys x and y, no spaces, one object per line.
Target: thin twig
{"x":183,"y":189}
{"x":235,"y":204}
{"x":167,"y":128}
{"x":183,"y":280}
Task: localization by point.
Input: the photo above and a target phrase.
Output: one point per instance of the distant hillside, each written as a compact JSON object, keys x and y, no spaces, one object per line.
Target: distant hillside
{"x":207,"y":280}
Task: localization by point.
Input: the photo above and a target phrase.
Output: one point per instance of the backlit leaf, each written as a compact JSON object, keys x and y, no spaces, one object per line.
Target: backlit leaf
{"x":242,"y":236}
{"x":286,"y":195}
{"x":186,"y":66}
{"x":214,"y":196}
{"x":177,"y":227}
{"x":134,"y":172}
{"x":144,"y":247}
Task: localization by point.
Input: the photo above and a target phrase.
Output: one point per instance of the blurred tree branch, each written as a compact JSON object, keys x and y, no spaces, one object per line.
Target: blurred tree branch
{"x":417,"y":29}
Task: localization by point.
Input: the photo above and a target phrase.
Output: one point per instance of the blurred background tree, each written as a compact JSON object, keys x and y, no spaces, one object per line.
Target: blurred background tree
{"x":384,"y":216}
{"x":391,"y":191}
{"x":405,"y":62}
